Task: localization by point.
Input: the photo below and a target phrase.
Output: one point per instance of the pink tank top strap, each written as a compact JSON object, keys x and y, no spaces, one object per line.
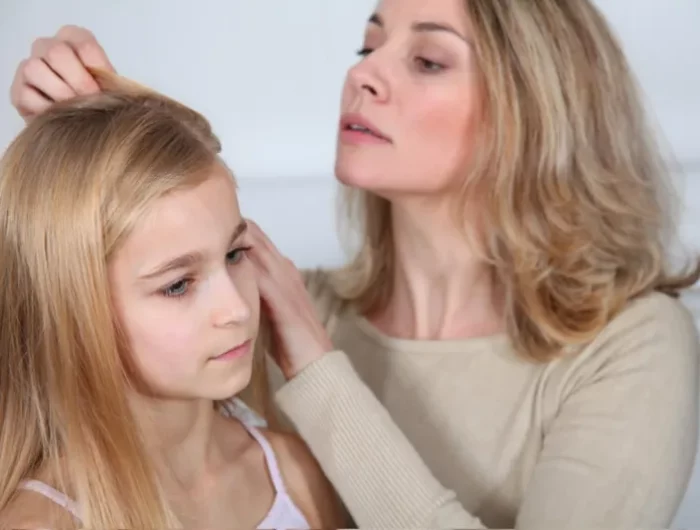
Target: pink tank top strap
{"x":52,"y":494}
{"x":270,"y":458}
{"x":284,"y":512}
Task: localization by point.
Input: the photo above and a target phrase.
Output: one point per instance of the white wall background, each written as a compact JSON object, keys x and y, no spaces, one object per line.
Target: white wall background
{"x":268,"y":75}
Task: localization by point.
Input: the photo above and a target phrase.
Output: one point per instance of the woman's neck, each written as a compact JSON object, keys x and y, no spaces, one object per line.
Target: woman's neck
{"x":441,"y":289}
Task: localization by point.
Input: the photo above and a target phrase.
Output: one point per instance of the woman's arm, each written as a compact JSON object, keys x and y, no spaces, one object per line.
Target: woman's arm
{"x":378,"y":474}
{"x":381,"y":478}
{"x":621,"y":451}
{"x":618,"y":455}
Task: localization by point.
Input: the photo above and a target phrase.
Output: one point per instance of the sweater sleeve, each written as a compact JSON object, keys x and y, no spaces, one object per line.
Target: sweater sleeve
{"x":621,"y":449}
{"x":381,"y":478}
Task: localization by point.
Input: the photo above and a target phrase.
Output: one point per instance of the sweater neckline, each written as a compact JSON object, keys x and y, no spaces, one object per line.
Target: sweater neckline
{"x":499,"y":341}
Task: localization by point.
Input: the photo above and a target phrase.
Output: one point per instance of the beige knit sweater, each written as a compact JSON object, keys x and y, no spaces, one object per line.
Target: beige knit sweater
{"x":465,"y":434}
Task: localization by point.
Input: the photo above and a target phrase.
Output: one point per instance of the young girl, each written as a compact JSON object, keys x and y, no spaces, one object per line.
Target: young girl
{"x":128,"y":320}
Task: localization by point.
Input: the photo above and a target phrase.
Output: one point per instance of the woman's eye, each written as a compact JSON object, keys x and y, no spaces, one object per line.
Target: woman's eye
{"x":364,"y":52}
{"x":428,"y":65}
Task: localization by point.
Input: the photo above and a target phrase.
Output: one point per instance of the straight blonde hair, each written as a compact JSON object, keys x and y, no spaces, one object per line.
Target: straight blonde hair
{"x":72,"y":186}
{"x":573,"y":190}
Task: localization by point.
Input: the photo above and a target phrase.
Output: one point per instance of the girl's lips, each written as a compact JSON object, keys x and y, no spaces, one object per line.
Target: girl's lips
{"x":235,"y":353}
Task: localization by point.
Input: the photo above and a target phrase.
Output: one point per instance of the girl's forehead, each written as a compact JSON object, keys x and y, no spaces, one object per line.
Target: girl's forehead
{"x":197,"y":220}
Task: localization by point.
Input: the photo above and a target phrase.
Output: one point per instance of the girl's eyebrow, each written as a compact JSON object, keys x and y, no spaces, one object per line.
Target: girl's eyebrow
{"x":190,"y":259}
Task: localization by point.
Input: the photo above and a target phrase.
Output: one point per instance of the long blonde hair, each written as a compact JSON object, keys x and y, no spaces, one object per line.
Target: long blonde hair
{"x":72,"y":186}
{"x":576,"y":200}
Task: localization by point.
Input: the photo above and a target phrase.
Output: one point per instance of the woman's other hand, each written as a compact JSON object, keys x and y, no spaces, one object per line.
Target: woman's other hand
{"x":299,"y":337}
{"x":57,"y":70}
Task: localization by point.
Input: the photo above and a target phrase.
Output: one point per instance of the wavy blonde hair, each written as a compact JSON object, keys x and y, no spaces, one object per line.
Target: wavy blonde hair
{"x":72,"y":186}
{"x":577,"y":205}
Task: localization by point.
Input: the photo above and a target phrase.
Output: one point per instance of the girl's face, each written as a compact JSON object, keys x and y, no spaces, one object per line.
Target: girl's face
{"x":186,"y":294}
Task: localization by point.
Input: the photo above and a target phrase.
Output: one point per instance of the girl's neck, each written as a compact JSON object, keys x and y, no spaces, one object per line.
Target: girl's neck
{"x":180,"y":437}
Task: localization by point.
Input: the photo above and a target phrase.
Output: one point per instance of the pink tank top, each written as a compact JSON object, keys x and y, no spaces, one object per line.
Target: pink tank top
{"x":284,"y":513}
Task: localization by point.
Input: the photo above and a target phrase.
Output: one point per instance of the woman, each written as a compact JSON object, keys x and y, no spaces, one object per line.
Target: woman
{"x":506,"y":349}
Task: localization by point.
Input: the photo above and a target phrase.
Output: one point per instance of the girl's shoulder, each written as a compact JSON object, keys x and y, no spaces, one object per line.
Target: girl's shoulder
{"x":304,"y":480}
{"x":29,"y":509}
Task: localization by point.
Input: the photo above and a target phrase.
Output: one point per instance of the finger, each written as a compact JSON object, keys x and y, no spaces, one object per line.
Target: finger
{"x":268,"y":250}
{"x":263,"y":252}
{"x":29,"y":102}
{"x":61,"y":56}
{"x":272,"y":279}
{"x":263,"y":260}
{"x":41,"y":46}
{"x":273,"y":301}
{"x":259,"y":238}
{"x":266,"y":288}
{"x":265,"y":307}
{"x":262,"y":239}
{"x":62,"y":59}
{"x":18,"y":85}
{"x":38,"y":75}
{"x":86,"y":47}
{"x":270,"y":261}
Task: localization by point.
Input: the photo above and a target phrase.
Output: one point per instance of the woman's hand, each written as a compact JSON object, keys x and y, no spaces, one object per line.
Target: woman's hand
{"x":56,"y":71}
{"x":299,"y":338}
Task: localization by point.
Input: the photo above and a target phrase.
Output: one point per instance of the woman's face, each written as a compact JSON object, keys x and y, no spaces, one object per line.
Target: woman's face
{"x":410,"y":105}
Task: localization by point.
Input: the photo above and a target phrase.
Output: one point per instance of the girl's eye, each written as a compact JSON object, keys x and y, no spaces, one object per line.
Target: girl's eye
{"x":364,"y":52}
{"x":237,"y":254}
{"x":177,"y":289}
{"x":181,"y":287}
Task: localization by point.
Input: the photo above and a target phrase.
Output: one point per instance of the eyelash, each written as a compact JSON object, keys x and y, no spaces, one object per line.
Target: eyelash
{"x":426,"y":64}
{"x":232,"y":256}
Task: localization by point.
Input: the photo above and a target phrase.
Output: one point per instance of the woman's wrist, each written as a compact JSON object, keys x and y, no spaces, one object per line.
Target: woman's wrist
{"x":309,"y":357}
